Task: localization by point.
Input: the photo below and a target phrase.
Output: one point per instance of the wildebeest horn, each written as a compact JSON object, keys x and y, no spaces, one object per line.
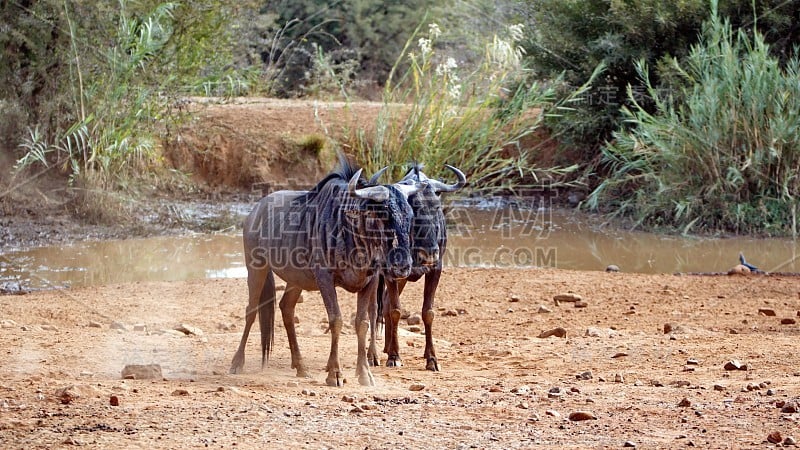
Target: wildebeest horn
{"x":374,"y":179}
{"x":410,"y":189}
{"x":438,"y":186}
{"x":376,"y":193}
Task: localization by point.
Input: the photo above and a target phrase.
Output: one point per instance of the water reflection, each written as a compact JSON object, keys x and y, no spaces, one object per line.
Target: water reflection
{"x":484,"y":237}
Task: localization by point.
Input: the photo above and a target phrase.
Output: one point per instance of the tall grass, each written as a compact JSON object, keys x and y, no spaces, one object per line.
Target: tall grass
{"x":475,"y":118}
{"x":722,"y":152}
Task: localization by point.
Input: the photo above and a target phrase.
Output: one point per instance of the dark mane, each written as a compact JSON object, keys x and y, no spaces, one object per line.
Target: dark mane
{"x":343,"y":171}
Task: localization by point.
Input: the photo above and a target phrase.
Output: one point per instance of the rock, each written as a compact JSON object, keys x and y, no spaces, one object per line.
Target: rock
{"x":552,"y":413}
{"x":692,"y":362}
{"x":668,"y":328}
{"x":619,"y":355}
{"x":719,"y":387}
{"x":416,"y":387}
{"x":189,"y":330}
{"x":789,"y":441}
{"x":292,"y":384}
{"x":514,"y":298}
{"x":348,"y":399}
{"x":582,"y":415}
{"x":357,"y":410}
{"x":594,"y":332}
{"x":113,"y":401}
{"x":309,"y":393}
{"x":789,"y":408}
{"x":568,"y":298}
{"x":612,"y":268}
{"x":68,"y":394}
{"x":775,"y":437}
{"x":48,"y":327}
{"x":685,"y":403}
{"x":581,"y":304}
{"x":118,"y":326}
{"x":769,"y":312}
{"x":142,"y":372}
{"x":544,"y":310}
{"x":630,"y":444}
{"x":587,"y":375}
{"x":739,"y":270}
{"x":180,"y":393}
{"x":414,"y":319}
{"x":139,"y":327}
{"x":521,"y":390}
{"x":788,"y":321}
{"x":523,"y":405}
{"x":450,"y":313}
{"x":93,"y":324}
{"x":734,"y":365}
{"x":618,"y":378}
{"x":557,"y":332}
{"x":555,"y":392}
{"x":415,"y":329}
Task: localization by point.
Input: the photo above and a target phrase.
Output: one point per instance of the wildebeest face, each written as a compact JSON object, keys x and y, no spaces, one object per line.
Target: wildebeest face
{"x":426,"y":230}
{"x":397,"y":243}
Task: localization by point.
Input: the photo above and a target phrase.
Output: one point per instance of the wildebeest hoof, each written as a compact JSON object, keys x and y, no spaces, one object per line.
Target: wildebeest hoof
{"x":394,"y":361}
{"x":432,"y":365}
{"x":237,"y":365}
{"x":303,"y":373}
{"x":335,"y":380}
{"x":366,"y":379}
{"x":373,"y":361}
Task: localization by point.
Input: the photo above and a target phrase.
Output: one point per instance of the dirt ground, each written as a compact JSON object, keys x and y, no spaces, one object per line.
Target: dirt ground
{"x":501,"y":386}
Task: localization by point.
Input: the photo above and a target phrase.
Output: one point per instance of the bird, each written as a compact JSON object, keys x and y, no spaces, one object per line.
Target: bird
{"x":744,"y":263}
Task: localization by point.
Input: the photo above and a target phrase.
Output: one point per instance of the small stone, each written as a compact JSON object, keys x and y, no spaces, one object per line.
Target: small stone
{"x":142,"y":372}
{"x":450,"y":313}
{"x":618,"y":378}
{"x":48,"y":327}
{"x":114,"y":400}
{"x":552,"y":413}
{"x":619,"y":355}
{"x":719,"y":387}
{"x":630,"y":444}
{"x":789,"y":441}
{"x":544,"y":310}
{"x":594,"y":332}
{"x":685,"y":403}
{"x":180,"y":393}
{"x":788,"y":321}
{"x":309,"y":392}
{"x":752,"y":387}
{"x":414,"y":319}
{"x":296,"y":320}
{"x":139,"y":327}
{"x":769,"y":312}
{"x":789,"y":408}
{"x":770,"y":392}
{"x":555,"y":392}
{"x":568,"y":298}
{"x":581,"y":304}
{"x":415,"y":329}
{"x":117,"y":326}
{"x":189,"y":330}
{"x":739,"y":270}
{"x":93,"y":324}
{"x":667,"y":328}
{"x":734,"y":365}
{"x":775,"y":437}
{"x":523,"y":405}
{"x":692,"y":362}
{"x":557,"y":332}
{"x":514,"y":298}
{"x":357,"y":410}
{"x":587,"y":375}
{"x":292,"y":384}
{"x":521,"y":390}
{"x":348,"y":399}
{"x":612,"y":268}
{"x":582,"y":415}
{"x":416,"y":387}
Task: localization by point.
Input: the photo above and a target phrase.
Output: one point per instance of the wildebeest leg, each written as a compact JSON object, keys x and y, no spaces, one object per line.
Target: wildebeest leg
{"x":287,"y":304}
{"x":328,"y":291}
{"x":366,"y":297}
{"x":372,"y":352}
{"x":256,"y":279}
{"x":431,"y":283}
{"x":391,"y":308}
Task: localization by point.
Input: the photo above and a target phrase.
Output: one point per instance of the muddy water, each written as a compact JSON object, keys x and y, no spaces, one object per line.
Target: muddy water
{"x":486,"y":237}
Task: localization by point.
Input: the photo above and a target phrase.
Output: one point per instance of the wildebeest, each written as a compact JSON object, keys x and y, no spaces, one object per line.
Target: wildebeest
{"x":340,"y":233}
{"x":429,"y":242}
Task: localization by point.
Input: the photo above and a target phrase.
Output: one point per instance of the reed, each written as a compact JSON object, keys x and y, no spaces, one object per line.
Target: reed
{"x":722,"y":151}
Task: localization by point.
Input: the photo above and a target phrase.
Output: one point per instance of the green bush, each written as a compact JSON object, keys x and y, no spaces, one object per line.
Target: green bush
{"x":722,"y":152}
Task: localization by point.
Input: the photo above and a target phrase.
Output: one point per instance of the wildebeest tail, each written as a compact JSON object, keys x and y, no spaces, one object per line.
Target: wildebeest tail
{"x":379,"y":298}
{"x":266,"y":317}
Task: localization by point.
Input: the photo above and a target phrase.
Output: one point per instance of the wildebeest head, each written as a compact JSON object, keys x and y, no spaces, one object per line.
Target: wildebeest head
{"x":428,"y":228}
{"x":384,"y":220}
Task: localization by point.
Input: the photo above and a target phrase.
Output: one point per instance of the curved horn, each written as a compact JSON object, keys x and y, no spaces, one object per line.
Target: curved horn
{"x":438,"y":186}
{"x":410,"y":189}
{"x":376,"y":193}
{"x":374,"y":179}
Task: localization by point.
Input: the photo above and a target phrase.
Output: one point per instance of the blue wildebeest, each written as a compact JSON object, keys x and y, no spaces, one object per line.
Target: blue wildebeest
{"x":340,"y":233}
{"x":429,"y":242}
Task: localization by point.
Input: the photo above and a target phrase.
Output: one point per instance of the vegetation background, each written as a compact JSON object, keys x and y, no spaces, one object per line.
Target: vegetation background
{"x":681,"y":115}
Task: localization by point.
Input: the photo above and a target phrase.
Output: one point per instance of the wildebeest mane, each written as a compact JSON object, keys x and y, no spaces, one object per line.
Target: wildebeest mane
{"x":343,"y":171}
